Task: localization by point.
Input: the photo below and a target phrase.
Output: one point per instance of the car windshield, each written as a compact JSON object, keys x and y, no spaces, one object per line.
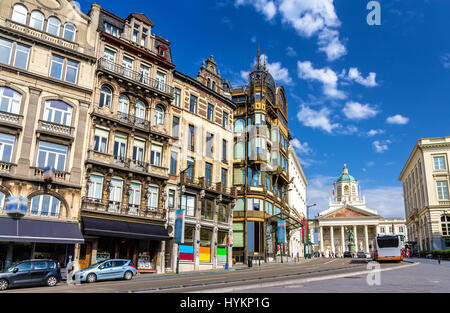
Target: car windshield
{"x":387,"y":242}
{"x":96,"y":264}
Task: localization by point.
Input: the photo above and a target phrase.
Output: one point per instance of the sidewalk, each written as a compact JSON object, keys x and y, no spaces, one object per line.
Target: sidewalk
{"x":428,"y":261}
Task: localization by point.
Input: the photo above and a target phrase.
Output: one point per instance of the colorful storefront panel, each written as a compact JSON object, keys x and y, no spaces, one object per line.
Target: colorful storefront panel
{"x":186,"y":253}
{"x":205,"y":254}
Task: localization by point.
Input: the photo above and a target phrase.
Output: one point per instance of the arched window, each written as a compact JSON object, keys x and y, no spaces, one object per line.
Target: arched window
{"x":45,"y":205}
{"x":208,"y":83}
{"x":69,"y":32}
{"x":2,"y":201}
{"x":445,"y":222}
{"x":239,"y":126}
{"x":53,"y":26}
{"x":37,"y":20}
{"x":159,"y":115}
{"x":58,"y":112}
{"x":19,"y":14}
{"x":105,"y":97}
{"x":139,"y":111}
{"x":10,"y":100}
{"x":124,"y":104}
{"x":214,"y":86}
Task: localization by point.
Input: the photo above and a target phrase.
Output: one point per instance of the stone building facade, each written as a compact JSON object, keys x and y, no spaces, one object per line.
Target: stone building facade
{"x":425,"y":179}
{"x":47,"y":63}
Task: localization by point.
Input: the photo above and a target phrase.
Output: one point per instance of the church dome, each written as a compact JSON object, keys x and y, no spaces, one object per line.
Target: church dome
{"x":345,"y":176}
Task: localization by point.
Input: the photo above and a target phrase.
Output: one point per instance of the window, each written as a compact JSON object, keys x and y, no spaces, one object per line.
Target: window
{"x":136,"y":31}
{"x":52,"y":155}
{"x":127,"y":66}
{"x":207,"y":209}
{"x":254,"y":204}
{"x":101,"y":140}
{"x":124,"y":105}
{"x":162,"y":51}
{"x":439,"y":163}
{"x":173,"y":163}
{"x":139,"y":113}
{"x":160,"y":80}
{"x":109,"y":58}
{"x":69,"y":32}
{"x":120,"y":146}
{"x":224,"y":150}
{"x":382,"y":230}
{"x":6,"y":147}
{"x":225,"y":120}
{"x":239,"y":205}
{"x":2,"y":201}
{"x":53,"y":26}
{"x":152,"y":200}
{"x":238,"y":176}
{"x":239,"y":151}
{"x":58,"y":112}
{"x":156,"y":155}
{"x":222,"y":215}
{"x":208,"y":173}
{"x":110,"y":29}
{"x":175,"y":126}
{"x":188,"y":204}
{"x":238,"y":235}
{"x":171,"y":199}
{"x":191,"y":138}
{"x":145,"y":74}
{"x":210,"y":115}
{"x":19,"y":14}
{"x":138,"y":151}
{"x":59,"y":66}
{"x":115,"y":192}
{"x":21,"y":57}
{"x":190,"y":168}
{"x":45,"y":205}
{"x":445,"y":223}
{"x":223,"y":177}
{"x":135,"y":194}
{"x":239,"y":126}
{"x":5,"y":51}
{"x":177,"y":99}
{"x":209,"y":144}
{"x":159,"y":115}
{"x":105,"y":97}
{"x":95,"y":187}
{"x":144,"y":37}
{"x":442,"y":190}
{"x":193,"y":104}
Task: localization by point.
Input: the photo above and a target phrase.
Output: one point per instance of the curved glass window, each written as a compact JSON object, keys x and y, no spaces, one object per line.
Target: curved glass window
{"x":37,"y":20}
{"x":105,"y":97}
{"x":239,"y":205}
{"x":53,"y":26}
{"x":239,"y":126}
{"x":239,"y":151}
{"x":159,"y":115}
{"x":10,"y":100}
{"x":58,"y":112}
{"x":45,"y":205}
{"x":19,"y":14}
{"x":69,"y":32}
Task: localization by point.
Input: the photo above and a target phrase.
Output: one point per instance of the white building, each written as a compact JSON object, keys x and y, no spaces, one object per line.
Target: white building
{"x":391,"y":227}
{"x":297,"y":201}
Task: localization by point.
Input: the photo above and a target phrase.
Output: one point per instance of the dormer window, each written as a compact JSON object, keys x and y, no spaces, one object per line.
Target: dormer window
{"x":112,"y":30}
{"x":144,"y":37}
{"x":162,"y":51}
{"x":137,"y":29}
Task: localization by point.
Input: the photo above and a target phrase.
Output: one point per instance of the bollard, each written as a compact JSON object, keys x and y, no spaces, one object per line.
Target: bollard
{"x":439,"y":259}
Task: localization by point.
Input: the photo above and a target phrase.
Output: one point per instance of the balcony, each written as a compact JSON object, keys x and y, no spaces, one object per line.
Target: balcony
{"x":120,"y":209}
{"x":59,"y":175}
{"x":136,"y":77}
{"x":11,"y":119}
{"x":7,"y":168}
{"x":56,"y":129}
{"x":202,"y":184}
{"x":133,"y":121}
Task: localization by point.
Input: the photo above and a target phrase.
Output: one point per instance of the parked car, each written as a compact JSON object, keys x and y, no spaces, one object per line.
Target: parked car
{"x":361,"y":255}
{"x":348,"y":254}
{"x":31,"y":273}
{"x":107,"y":269}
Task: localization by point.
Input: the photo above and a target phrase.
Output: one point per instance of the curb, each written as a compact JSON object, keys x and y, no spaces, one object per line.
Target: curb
{"x":295,"y":281}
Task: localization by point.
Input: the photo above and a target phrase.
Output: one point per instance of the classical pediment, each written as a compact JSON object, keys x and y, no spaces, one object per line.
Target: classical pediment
{"x":348,"y":212}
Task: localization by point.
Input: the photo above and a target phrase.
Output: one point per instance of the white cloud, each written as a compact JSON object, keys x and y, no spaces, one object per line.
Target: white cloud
{"x":355,"y":75}
{"x":253,"y":39}
{"x":279,"y":73}
{"x":374,"y":132}
{"x":326,"y":76}
{"x":330,"y":44}
{"x":381,"y":146}
{"x":301,"y":148}
{"x":357,"y":111}
{"x":397,"y":120}
{"x":291,"y":52}
{"x":316,"y":119}
{"x":387,"y":200}
{"x":267,"y":8}
{"x":348,"y":130}
{"x":445,"y":60}
{"x":319,"y":191}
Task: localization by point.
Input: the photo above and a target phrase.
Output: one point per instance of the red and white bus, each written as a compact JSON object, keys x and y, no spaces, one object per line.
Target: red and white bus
{"x":387,"y":248}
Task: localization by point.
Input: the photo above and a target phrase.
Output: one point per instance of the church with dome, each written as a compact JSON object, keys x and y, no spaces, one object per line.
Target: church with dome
{"x":348,"y":224}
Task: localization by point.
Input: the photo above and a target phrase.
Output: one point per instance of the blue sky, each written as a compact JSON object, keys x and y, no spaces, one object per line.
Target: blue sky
{"x":358,"y":94}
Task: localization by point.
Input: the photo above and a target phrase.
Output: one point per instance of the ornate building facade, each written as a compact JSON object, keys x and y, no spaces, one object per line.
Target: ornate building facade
{"x":261,"y":170}
{"x":47,"y":64}
{"x":425,"y":179}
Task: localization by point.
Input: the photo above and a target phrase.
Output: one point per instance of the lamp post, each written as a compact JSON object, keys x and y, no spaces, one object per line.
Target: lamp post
{"x":307,"y":241}
{"x":181,"y":199}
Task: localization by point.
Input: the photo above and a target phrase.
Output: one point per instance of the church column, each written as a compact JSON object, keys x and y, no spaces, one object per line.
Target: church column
{"x":367,"y":238}
{"x":342,"y":240}
{"x":355,"y":231}
{"x":332,"y":239}
{"x":321,"y":239}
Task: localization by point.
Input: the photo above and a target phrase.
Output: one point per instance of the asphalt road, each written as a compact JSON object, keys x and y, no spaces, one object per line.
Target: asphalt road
{"x":219,"y":280}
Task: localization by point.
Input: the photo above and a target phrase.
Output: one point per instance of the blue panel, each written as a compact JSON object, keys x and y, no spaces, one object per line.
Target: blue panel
{"x":250,"y":235}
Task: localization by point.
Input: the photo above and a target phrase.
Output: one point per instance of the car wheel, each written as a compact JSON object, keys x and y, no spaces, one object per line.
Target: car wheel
{"x":3,"y":284}
{"x":128,"y":275}
{"x":52,"y":281}
{"x":91,"y":278}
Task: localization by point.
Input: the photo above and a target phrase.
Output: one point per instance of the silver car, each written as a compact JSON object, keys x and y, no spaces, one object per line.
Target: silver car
{"x":107,"y":269}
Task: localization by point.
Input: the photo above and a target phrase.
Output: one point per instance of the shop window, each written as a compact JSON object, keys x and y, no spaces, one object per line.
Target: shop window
{"x":205,"y":245}
{"x":187,"y":249}
{"x":222,"y":247}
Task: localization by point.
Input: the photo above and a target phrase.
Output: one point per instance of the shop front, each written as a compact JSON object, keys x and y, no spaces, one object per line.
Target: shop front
{"x":139,"y":242}
{"x":24,"y":239}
